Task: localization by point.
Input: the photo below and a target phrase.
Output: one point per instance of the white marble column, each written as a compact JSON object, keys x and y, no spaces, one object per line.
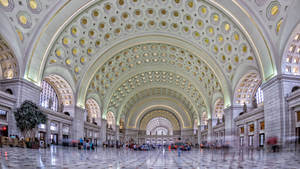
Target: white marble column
{"x":256,"y":134}
{"x":209,"y":131}
{"x":48,"y":132}
{"x":60,"y":131}
{"x":230,"y":129}
{"x":117,"y":132}
{"x":199,"y":135}
{"x":103,"y":131}
{"x":246,"y":139}
{"x":78,"y":123}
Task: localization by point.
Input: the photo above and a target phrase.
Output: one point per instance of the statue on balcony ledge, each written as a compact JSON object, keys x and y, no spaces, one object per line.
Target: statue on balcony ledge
{"x":50,"y":103}
{"x":254,"y":103}
{"x":245,"y":108}
{"x":61,"y":108}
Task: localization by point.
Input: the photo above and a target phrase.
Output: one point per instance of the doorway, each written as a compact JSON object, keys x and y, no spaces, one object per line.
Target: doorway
{"x":241,"y":141}
{"x":298,"y":135}
{"x":54,"y":139}
{"x":261,"y":140}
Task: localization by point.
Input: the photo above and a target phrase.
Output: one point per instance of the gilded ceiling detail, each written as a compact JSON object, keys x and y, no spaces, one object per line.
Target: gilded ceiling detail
{"x":8,"y":62}
{"x":291,"y":59}
{"x":26,"y":15}
{"x":271,"y":14}
{"x":159,"y":113}
{"x":141,"y":56}
{"x":107,"y":22}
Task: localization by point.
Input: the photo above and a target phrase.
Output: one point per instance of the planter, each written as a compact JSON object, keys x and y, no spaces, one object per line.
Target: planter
{"x":35,"y":145}
{"x":28,"y":144}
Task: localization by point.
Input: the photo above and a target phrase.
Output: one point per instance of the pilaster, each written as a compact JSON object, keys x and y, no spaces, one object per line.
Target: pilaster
{"x":78,"y":123}
{"x":230,"y":129}
{"x":48,"y":132}
{"x":60,"y":131}
{"x":117,"y":132}
{"x":103,"y":130}
{"x":209,"y":131}
{"x":277,"y":118}
{"x":199,"y":134}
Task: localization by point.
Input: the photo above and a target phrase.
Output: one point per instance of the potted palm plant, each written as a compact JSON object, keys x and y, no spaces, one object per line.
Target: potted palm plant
{"x":28,"y":116}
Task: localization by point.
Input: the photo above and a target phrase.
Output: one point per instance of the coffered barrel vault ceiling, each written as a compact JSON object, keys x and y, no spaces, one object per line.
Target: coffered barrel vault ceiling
{"x":105,"y":23}
{"x":124,"y":51}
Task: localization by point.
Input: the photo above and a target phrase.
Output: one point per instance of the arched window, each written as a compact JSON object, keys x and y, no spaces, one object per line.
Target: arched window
{"x":195,"y":126}
{"x":48,"y":97}
{"x":110,"y":120}
{"x":219,"y":110}
{"x":245,"y":90}
{"x":259,"y":96}
{"x":8,"y":61}
{"x":291,"y":59}
{"x":159,"y":126}
{"x":93,"y":110}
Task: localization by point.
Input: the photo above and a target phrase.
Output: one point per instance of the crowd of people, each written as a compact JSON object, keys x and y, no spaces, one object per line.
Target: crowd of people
{"x":85,"y":144}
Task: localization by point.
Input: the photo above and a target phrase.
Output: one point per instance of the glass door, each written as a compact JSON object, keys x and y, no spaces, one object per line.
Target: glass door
{"x":261,"y":140}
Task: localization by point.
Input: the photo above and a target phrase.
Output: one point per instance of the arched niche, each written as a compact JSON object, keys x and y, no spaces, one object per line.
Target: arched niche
{"x":64,"y":93}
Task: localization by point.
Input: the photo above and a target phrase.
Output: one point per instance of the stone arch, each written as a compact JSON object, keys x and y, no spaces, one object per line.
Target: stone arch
{"x":291,"y":55}
{"x":290,"y":25}
{"x":129,"y":88}
{"x":204,"y":118}
{"x":246,"y":88}
{"x":8,"y":34}
{"x":156,"y":122}
{"x":63,"y":73}
{"x":111,"y":121}
{"x":138,"y":103}
{"x":218,"y":111}
{"x":64,"y":92}
{"x":98,"y":100}
{"x":154,"y":39}
{"x":223,"y":7}
{"x":295,"y":88}
{"x":144,"y":119}
{"x":93,"y":110}
{"x":8,"y":61}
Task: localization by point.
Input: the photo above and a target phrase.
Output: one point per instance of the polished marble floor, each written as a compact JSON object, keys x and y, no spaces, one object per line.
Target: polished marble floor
{"x":72,"y":158}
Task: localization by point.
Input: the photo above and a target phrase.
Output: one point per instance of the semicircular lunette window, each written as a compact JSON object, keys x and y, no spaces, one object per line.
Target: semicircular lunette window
{"x":65,"y":92}
{"x":110,"y":120}
{"x":219,"y":112}
{"x":48,"y":97}
{"x":93,"y":110}
{"x":159,"y":126}
{"x":246,"y":88}
{"x":292,"y":58}
{"x":8,"y":62}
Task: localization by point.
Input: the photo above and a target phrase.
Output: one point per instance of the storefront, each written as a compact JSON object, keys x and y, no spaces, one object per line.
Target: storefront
{"x":261,"y":134}
{"x":54,"y":133}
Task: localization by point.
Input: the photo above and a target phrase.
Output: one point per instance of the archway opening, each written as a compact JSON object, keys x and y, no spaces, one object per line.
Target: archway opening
{"x":93,"y":111}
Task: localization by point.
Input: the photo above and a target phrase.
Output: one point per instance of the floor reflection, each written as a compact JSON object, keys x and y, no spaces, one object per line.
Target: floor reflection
{"x":72,"y":158}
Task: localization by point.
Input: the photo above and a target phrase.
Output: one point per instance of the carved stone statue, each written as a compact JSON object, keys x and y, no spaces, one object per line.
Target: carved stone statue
{"x":245,"y":108}
{"x":61,"y":107}
{"x":50,"y":103}
{"x":254,"y":102}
